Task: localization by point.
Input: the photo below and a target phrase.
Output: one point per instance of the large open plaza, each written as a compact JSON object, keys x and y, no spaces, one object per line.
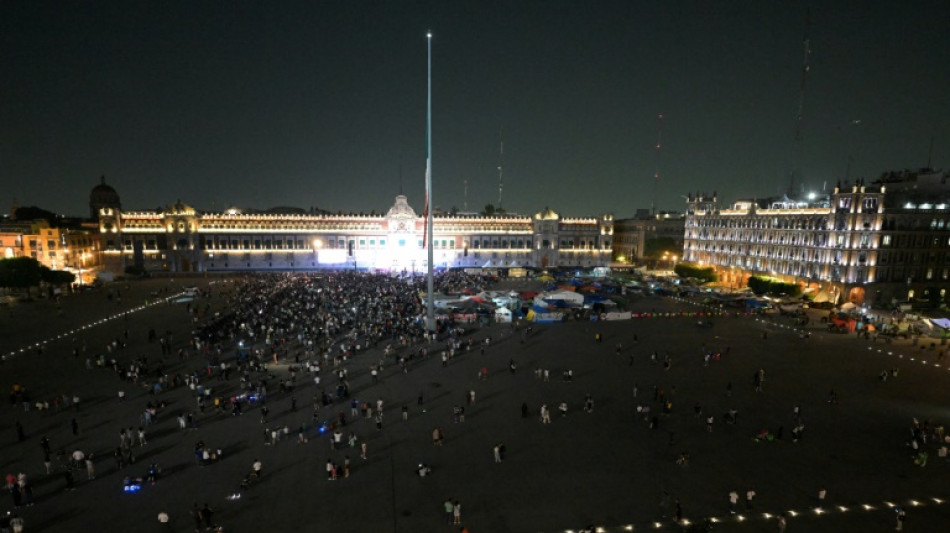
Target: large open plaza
{"x":606,"y":466}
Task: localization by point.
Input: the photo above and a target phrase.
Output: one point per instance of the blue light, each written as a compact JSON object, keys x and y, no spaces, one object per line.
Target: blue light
{"x":132,"y":488}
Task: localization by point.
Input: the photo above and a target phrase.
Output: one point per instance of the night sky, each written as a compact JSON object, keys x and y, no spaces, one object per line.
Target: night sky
{"x":260,"y":104}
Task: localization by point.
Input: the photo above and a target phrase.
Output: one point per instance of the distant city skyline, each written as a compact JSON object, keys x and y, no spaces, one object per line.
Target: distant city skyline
{"x":323,"y":104}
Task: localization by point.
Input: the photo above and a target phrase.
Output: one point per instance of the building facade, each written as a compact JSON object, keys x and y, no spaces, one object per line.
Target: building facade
{"x":183,"y":239}
{"x":875,"y":244}
{"x":631,"y":235}
{"x":74,"y":249}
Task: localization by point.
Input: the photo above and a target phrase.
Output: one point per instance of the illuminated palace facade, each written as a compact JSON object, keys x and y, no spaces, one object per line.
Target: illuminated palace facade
{"x":870,"y":244}
{"x":183,"y":239}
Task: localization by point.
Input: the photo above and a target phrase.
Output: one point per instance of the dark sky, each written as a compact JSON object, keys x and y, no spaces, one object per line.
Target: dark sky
{"x":323,"y":103}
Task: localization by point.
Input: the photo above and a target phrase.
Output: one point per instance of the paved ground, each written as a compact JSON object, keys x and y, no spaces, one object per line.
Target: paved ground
{"x":606,"y":468}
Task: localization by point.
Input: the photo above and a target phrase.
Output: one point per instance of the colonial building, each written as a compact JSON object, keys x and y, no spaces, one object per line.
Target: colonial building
{"x":878,"y":244}
{"x":183,"y":239}
{"x":631,"y":235}
{"x":75,"y":249}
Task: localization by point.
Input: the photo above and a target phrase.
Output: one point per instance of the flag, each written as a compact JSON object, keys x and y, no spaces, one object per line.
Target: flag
{"x":425,"y":224}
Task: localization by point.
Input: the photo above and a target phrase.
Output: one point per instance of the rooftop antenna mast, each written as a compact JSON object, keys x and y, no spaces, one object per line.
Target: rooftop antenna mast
{"x":656,"y":167}
{"x":501,"y":162}
{"x":799,"y":119}
{"x":465,"y":197}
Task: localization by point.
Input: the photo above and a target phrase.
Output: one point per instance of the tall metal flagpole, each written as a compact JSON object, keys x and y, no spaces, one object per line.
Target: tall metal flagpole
{"x":430,"y":292}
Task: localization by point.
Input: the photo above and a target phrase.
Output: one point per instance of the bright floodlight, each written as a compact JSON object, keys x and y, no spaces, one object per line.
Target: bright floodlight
{"x":811,"y":196}
{"x":429,"y":35}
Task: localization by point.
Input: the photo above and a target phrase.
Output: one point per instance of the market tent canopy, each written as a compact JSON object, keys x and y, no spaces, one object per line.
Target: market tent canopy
{"x":941,"y":322}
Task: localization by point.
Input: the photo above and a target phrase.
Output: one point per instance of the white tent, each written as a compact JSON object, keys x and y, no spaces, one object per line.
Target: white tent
{"x":570,"y":297}
{"x":502,"y":314}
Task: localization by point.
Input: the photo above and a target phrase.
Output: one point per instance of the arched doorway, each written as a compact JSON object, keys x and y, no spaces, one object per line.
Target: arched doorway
{"x":856,"y":296}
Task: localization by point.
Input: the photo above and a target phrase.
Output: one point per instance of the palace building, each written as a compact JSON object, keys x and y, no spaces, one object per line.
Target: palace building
{"x":181,"y":238}
{"x":875,"y":244}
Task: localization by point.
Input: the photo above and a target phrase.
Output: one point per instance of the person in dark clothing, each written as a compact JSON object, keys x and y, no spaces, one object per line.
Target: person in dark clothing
{"x":207,"y":514}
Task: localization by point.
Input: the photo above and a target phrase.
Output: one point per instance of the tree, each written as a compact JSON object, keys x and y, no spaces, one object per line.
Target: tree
{"x":489,"y":210}
{"x":33,"y":212}
{"x":655,"y":248}
{"x":20,"y":273}
{"x":56,"y":277}
{"x":692,"y":270}
{"x":766,"y":285}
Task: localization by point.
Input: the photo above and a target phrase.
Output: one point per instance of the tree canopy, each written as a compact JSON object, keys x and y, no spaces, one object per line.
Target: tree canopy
{"x":692,"y":270}
{"x":20,"y":273}
{"x":767,"y":285}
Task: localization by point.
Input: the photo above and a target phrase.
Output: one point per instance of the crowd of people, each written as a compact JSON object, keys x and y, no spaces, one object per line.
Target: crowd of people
{"x":270,"y":342}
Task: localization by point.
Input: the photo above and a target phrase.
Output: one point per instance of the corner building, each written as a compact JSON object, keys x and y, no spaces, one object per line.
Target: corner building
{"x":875,"y":244}
{"x":183,"y":239}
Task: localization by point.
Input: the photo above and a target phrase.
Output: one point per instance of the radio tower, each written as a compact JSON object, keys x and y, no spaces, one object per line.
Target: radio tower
{"x":501,"y":160}
{"x":656,"y":168}
{"x":799,"y":139}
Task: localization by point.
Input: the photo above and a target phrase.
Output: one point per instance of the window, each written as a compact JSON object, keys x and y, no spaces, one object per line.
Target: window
{"x":382,"y":242}
{"x":886,"y":240}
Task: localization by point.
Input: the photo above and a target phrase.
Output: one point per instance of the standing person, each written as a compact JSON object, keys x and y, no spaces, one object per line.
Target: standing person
{"x":901,"y":515}
{"x":456,"y":513}
{"x":749,"y":494}
{"x":821,"y":497}
{"x":363,"y":450}
{"x":75,"y":425}
{"x":782,"y":523}
{"x":196,"y":515}
{"x":90,"y":468}
{"x":16,"y":523}
{"x":448,"y":507}
{"x":496,"y":451}
{"x":733,"y":501}
{"x":208,"y":515}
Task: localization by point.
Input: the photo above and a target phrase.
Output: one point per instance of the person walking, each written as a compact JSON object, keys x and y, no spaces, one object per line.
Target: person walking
{"x":456,"y":513}
{"x":733,"y":501}
{"x":749,"y":494}
{"x":901,"y":515}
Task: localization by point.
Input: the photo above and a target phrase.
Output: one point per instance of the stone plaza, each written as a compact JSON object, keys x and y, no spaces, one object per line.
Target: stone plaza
{"x":606,"y":468}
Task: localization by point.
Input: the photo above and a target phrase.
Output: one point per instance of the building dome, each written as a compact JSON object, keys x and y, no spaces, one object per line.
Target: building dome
{"x":102,"y":195}
{"x":401,"y":209}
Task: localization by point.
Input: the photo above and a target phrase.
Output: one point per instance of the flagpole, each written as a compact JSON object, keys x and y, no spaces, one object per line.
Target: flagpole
{"x":430,"y":292}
